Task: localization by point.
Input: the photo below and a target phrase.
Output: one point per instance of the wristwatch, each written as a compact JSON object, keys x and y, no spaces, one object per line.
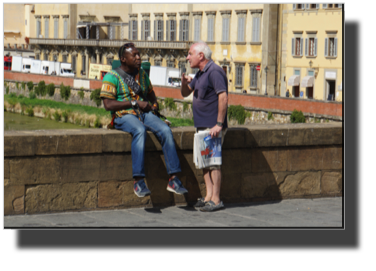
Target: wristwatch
{"x":220,"y":124}
{"x":134,"y":104}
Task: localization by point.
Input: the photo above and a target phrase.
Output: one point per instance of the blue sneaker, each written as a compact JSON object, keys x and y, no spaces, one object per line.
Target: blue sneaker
{"x":140,"y":189}
{"x":175,"y":185}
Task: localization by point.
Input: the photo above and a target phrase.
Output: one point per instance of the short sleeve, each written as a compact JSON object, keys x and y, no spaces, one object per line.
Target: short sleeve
{"x":109,"y":87}
{"x":219,"y":81}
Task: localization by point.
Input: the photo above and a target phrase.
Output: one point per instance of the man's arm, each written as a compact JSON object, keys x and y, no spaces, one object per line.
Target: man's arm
{"x":222,"y":108}
{"x":113,"y":105}
{"x":185,"y":89}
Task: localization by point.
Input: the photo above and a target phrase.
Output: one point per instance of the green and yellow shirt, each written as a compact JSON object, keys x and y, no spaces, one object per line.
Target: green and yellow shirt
{"x":114,"y":88}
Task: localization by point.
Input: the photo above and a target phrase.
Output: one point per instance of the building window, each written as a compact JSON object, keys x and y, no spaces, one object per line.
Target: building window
{"x":312,"y":6}
{"x":133,"y":29}
{"x":171,"y":30}
{"x":297,"y":46}
{"x":184,"y":30}
{"x":171,"y":64}
{"x":241,"y":29}
{"x":254,"y":76}
{"x":298,"y":6}
{"x":331,"y":47}
{"x":311,"y":46}
{"x":83,"y":66}
{"x":331,"y":6}
{"x":158,"y":30}
{"x":197,"y":31}
{"x":64,"y":58}
{"x":145,"y":29}
{"x":74,"y":64}
{"x":56,"y":28}
{"x":46,"y":28}
{"x":225,"y":29}
{"x":65,"y":29}
{"x":210,"y":29}
{"x":37,"y":56}
{"x":182,"y":67}
{"x":238,"y":75}
{"x":256,"y":27}
{"x":38,"y":28}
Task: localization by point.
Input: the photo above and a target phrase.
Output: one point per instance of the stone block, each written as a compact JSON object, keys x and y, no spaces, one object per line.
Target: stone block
{"x":159,"y":194}
{"x":331,"y":183}
{"x":80,"y":168}
{"x":268,"y":159}
{"x":260,"y":185}
{"x":188,"y":168}
{"x":6,"y":169}
{"x":230,"y":186}
{"x":187,"y":138}
{"x":61,"y":197}
{"x":155,"y":166}
{"x":117,"y":141}
{"x":110,"y":194}
{"x":268,"y":137}
{"x":152,"y":143}
{"x":234,"y":138}
{"x":116,"y":166}
{"x":34,"y":170}
{"x":236,"y":161}
{"x":14,"y":199}
{"x":313,"y":136}
{"x":177,"y":134}
{"x":301,"y":184}
{"x":18,"y":144}
{"x":305,"y":158}
{"x":192,"y":184}
{"x":332,"y":158}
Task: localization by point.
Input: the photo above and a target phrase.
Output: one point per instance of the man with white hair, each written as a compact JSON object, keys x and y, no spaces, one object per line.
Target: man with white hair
{"x":210,"y":89}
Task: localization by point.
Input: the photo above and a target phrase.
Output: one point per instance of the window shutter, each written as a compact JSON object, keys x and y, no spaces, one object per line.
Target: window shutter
{"x":130,"y":30}
{"x":293,"y":6}
{"x":326,"y":46}
{"x":254,"y":29}
{"x":46,"y":28}
{"x":293,"y":46}
{"x":168,"y":37}
{"x":324,"y":6}
{"x":257,"y":29}
{"x":181,"y":30}
{"x":38,"y":28}
{"x":187,"y":29}
{"x":162,"y":29}
{"x":155,"y":31}
{"x":241,"y":29}
{"x":306,"y":47}
{"x":143,"y":30}
{"x":56,"y":29}
{"x":307,"y":6}
{"x":210,"y":29}
{"x":317,"y":6}
{"x":301,"y":46}
{"x":315,"y":47}
{"x":339,"y":5}
{"x":335,"y":47}
{"x":303,"y":5}
{"x":136,"y":23}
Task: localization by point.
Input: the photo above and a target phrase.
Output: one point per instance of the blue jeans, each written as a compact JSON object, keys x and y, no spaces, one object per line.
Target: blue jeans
{"x":131,"y":124}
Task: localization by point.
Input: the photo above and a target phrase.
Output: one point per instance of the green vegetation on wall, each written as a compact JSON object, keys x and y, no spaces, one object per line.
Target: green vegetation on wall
{"x":237,"y":112}
{"x":169,"y":103}
{"x":30,"y":85}
{"x":65,"y":92}
{"x":95,"y":96}
{"x":297,"y":117}
{"x":41,"y":89}
{"x":51,"y":89}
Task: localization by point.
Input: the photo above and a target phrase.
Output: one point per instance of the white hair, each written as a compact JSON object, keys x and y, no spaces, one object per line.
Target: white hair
{"x":202,"y":47}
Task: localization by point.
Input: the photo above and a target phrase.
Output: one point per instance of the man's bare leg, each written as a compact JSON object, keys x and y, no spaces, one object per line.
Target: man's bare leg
{"x":209,"y":185}
{"x":216,"y":178}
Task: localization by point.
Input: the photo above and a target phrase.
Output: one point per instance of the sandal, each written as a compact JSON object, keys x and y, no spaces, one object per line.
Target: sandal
{"x":200,"y":203}
{"x":210,"y":206}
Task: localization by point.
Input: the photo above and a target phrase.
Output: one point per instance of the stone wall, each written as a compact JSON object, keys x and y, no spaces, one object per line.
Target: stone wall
{"x":91,"y":169}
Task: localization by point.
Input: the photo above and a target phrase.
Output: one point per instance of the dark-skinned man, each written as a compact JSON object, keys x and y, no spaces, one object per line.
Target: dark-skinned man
{"x":126,"y":92}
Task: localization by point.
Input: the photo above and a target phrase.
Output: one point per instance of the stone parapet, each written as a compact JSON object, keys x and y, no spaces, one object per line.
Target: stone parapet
{"x":91,"y":169}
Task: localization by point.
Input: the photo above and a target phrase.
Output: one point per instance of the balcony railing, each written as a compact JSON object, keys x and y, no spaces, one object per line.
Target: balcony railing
{"x":184,"y":45}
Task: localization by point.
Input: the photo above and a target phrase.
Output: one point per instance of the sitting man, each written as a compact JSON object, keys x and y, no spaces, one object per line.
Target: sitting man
{"x":126,"y":92}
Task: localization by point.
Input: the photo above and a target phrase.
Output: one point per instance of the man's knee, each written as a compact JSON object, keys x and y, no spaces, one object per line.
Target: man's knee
{"x":139,"y":131}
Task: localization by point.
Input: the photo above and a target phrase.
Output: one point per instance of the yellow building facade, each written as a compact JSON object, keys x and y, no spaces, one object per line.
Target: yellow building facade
{"x":311,"y":55}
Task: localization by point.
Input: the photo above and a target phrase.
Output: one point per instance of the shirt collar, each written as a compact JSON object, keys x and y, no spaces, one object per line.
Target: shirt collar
{"x":207,"y":66}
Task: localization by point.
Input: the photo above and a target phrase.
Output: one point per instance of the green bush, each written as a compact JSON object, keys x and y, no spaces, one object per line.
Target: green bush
{"x":13,"y":95}
{"x":41,"y":89}
{"x":81,"y":94}
{"x":30,"y":112}
{"x":237,"y":112}
{"x":270,"y":115}
{"x":65,"y":115}
{"x":161,"y":105}
{"x":23,"y":84}
{"x":30,"y":85}
{"x":21,"y":96}
{"x":32,"y":95}
{"x":297,"y":117}
{"x":169,"y":102}
{"x":57,"y":116}
{"x":5,"y":84}
{"x":94,"y":96}
{"x":17,"y":85}
{"x":185,"y":106}
{"x":7,"y":90}
{"x":51,"y":89}
{"x":65,"y":91}
{"x":97,"y":123}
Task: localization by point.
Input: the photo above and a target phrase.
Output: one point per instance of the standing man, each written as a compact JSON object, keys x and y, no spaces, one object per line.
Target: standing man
{"x":126,"y":92}
{"x":209,"y":112}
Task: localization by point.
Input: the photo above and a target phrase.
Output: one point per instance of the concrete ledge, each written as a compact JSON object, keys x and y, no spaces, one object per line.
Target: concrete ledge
{"x":91,"y":169}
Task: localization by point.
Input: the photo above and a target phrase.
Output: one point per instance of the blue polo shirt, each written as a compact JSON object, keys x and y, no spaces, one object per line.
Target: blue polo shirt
{"x":206,"y":85}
